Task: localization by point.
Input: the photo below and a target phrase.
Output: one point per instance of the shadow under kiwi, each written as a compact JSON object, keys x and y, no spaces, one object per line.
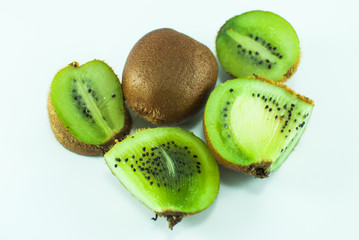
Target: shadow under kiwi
{"x":223,"y":76}
{"x":247,"y":182}
{"x":233,"y":178}
{"x":192,"y":121}
{"x":197,"y":219}
{"x":139,"y":123}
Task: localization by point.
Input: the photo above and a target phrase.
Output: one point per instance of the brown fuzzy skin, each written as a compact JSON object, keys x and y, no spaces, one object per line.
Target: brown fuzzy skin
{"x":168,"y":77}
{"x":259,"y":169}
{"x":76,"y":146}
{"x":173,"y":217}
{"x":290,"y":71}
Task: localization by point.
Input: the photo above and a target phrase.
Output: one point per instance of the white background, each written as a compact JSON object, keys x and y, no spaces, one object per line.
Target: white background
{"x":47,"y":192}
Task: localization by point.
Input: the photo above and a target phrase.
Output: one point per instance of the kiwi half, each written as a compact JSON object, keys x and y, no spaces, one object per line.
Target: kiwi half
{"x":168,"y":77}
{"x":169,"y":169}
{"x":252,"y":125}
{"x":258,"y":43}
{"x":86,"y":108}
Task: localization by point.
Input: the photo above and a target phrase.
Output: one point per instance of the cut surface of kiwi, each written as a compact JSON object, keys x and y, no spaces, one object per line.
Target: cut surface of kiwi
{"x":252,"y":125}
{"x":169,"y":169}
{"x":89,"y":102}
{"x":168,"y":77}
{"x":258,"y":43}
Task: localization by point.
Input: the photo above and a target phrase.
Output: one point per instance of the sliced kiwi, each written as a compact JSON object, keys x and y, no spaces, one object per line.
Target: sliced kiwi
{"x":252,"y":125}
{"x":258,"y":43}
{"x":169,"y":169}
{"x":168,"y":77}
{"x":86,"y":107}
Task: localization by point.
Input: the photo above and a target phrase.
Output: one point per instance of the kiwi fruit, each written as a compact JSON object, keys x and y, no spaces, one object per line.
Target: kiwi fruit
{"x":258,"y":43}
{"x":252,"y":125}
{"x":168,"y":77}
{"x":168,"y":169}
{"x":86,"y":108}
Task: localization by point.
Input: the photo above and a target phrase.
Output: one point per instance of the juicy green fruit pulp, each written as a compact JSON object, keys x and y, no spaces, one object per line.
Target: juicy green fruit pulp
{"x":168,"y":169}
{"x":257,"y":42}
{"x":88,"y":100}
{"x":251,"y":121}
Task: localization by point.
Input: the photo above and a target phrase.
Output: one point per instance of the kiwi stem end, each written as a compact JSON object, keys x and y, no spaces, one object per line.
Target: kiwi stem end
{"x":172,"y":217}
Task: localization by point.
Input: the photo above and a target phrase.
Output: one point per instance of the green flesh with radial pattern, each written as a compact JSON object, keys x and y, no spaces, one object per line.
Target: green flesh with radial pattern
{"x":88,"y":100}
{"x":252,"y":121}
{"x":257,"y":43}
{"x":168,"y":169}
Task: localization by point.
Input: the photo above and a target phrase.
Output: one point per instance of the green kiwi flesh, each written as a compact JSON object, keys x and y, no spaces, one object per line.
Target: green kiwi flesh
{"x":252,"y":125}
{"x":169,"y":169}
{"x":258,"y":43}
{"x":88,"y":99}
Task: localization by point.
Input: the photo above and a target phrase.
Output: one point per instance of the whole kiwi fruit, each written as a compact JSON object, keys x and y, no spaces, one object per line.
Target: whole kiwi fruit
{"x":168,"y":77}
